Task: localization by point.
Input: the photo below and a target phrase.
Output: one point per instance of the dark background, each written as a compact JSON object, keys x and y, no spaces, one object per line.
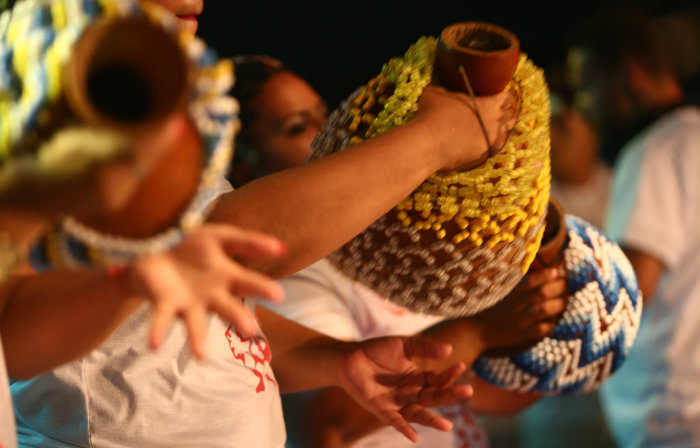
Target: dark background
{"x":338,"y":46}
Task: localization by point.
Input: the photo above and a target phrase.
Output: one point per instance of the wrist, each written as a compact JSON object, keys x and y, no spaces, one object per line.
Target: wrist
{"x":429,"y":154}
{"x":338,"y":361}
{"x":458,"y":147}
{"x":474,"y":330}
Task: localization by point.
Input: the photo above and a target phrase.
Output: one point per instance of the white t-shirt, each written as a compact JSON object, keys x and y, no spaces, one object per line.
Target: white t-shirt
{"x":654,"y":399}
{"x":7,"y":417}
{"x":125,"y":395}
{"x":322,"y":298}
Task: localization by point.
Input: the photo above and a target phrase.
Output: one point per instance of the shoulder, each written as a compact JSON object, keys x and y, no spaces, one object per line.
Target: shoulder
{"x":676,"y":134}
{"x":670,"y":145}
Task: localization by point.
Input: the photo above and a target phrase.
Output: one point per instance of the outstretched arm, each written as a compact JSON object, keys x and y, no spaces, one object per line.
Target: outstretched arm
{"x":521,"y":319}
{"x":317,"y":207}
{"x":527,"y":314}
{"x":379,"y":374}
{"x":493,"y":400}
{"x":334,"y":420}
{"x":52,"y":318}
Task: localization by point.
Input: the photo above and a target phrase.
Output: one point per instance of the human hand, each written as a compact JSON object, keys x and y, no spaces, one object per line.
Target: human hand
{"x":199,"y":275}
{"x":527,"y":314}
{"x":381,"y":375}
{"x":452,"y":122}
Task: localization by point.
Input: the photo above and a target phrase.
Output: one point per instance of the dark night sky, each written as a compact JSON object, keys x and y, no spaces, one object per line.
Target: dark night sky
{"x":338,"y":46}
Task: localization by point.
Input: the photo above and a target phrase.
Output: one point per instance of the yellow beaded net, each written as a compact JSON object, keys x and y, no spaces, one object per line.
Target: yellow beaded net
{"x":496,"y":209}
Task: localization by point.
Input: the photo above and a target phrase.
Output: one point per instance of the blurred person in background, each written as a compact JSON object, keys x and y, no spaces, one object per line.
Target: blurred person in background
{"x":627,"y":87}
{"x":581,"y":183}
{"x":280,"y":115}
{"x":581,"y":179}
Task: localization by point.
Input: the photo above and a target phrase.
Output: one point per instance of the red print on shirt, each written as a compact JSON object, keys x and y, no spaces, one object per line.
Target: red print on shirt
{"x":467,"y":430}
{"x":253,"y":353}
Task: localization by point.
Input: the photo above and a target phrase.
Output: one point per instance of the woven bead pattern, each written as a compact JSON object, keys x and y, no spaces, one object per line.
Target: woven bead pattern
{"x":486,"y":223}
{"x":595,"y":332}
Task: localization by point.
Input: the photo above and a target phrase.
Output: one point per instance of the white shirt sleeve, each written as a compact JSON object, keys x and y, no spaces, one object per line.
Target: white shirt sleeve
{"x":317,"y":297}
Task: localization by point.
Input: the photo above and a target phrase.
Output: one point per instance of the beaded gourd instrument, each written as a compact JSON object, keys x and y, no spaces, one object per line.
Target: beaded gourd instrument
{"x":462,"y":240}
{"x":595,"y":332}
{"x":37,"y":38}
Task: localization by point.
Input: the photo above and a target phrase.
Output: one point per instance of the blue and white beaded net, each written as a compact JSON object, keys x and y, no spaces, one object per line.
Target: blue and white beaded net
{"x":35,"y":40}
{"x":595,"y":332}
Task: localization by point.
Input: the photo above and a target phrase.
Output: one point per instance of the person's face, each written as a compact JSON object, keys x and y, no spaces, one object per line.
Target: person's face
{"x":574,"y":146}
{"x":186,"y":11}
{"x":288,"y":115}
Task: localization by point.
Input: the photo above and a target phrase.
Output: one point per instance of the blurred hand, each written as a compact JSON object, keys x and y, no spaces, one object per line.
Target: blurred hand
{"x":527,"y":314}
{"x":381,"y":375}
{"x":199,"y":276}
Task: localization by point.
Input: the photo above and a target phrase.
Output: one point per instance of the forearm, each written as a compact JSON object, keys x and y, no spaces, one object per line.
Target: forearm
{"x":317,"y":207}
{"x":467,"y":346}
{"x":302,"y":358}
{"x":648,"y":270}
{"x":489,"y":399}
{"x":53,"y":318}
{"x":464,"y":336}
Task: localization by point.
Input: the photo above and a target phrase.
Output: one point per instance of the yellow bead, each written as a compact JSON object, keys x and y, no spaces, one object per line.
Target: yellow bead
{"x":369,"y":103}
{"x":354,"y":124}
{"x":354,"y":140}
{"x":506,"y":195}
